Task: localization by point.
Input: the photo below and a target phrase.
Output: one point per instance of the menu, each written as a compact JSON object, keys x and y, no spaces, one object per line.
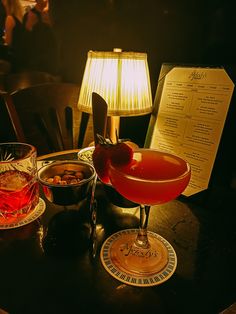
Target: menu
{"x":190,"y":109}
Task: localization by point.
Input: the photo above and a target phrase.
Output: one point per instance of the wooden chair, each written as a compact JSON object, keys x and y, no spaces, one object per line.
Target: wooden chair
{"x":5,"y":68}
{"x":15,"y":81}
{"x":46,"y":115}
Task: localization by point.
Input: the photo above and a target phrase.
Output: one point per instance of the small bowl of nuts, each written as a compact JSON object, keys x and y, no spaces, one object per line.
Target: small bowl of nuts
{"x":66,"y":182}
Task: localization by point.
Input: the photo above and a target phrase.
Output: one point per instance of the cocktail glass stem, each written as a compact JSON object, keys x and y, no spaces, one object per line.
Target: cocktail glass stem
{"x":142,"y":238}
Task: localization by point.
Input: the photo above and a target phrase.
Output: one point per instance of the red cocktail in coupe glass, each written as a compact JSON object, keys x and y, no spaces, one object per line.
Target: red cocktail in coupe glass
{"x":137,"y":256}
{"x":19,"y":190}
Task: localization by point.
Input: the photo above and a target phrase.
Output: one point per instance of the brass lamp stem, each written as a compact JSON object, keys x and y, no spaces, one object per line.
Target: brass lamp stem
{"x":113,"y":127}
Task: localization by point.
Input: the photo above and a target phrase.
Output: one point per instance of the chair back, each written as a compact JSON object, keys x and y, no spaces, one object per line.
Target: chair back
{"x":5,"y":66}
{"x":45,"y":115}
{"x":20,"y":80}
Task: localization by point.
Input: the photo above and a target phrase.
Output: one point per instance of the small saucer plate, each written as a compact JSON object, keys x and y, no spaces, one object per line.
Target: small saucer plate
{"x":25,"y":219}
{"x":86,"y":153}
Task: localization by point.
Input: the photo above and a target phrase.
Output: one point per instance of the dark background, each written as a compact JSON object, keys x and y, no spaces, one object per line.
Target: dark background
{"x":172,"y":31}
{"x":184,"y":31}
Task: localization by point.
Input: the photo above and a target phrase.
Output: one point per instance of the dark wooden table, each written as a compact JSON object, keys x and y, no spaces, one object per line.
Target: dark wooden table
{"x":46,"y":266}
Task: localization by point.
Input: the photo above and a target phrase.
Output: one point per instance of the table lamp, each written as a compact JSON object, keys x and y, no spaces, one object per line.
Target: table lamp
{"x":122,"y":80}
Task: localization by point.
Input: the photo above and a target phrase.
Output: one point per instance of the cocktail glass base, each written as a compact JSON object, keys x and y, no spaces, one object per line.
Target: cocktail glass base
{"x":129,"y":264}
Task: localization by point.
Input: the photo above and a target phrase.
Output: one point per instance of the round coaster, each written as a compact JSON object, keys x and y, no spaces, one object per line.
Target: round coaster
{"x":25,"y":219}
{"x":113,"y":267}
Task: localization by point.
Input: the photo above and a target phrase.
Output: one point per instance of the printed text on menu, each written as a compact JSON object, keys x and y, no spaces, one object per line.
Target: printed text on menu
{"x":191,"y":116}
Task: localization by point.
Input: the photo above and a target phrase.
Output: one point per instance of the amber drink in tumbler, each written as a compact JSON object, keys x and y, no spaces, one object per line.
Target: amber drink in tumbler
{"x":19,"y":189}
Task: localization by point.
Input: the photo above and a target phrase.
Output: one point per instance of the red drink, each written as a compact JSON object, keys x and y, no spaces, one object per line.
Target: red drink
{"x":19,"y":193}
{"x":152,"y":178}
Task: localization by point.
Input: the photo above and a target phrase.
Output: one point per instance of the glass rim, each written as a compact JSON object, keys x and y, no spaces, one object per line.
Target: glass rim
{"x":181,"y":176}
{"x":32,"y":151}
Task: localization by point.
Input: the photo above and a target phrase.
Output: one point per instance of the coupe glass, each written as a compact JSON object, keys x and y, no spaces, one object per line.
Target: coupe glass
{"x":137,"y":256}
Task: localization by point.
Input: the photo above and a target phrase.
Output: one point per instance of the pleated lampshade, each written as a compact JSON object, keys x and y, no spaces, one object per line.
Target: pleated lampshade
{"x":121,"y":79}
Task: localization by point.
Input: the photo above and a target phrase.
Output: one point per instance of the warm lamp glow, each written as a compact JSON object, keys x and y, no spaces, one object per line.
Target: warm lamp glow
{"x":121,"y":79}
